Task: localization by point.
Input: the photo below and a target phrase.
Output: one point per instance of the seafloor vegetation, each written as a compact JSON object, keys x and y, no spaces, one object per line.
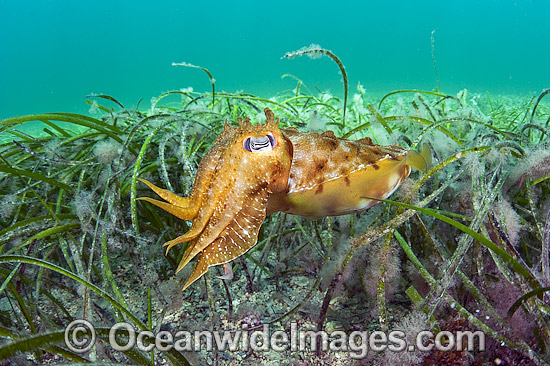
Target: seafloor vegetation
{"x":463,"y":247}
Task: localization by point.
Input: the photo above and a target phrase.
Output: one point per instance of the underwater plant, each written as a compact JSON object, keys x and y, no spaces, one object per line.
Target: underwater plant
{"x":462,"y":247}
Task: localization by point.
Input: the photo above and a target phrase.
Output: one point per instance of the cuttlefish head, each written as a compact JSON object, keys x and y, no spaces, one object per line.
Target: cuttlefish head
{"x":245,"y":165}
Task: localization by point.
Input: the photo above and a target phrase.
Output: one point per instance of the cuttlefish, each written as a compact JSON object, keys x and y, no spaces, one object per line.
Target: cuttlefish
{"x":253,"y":170}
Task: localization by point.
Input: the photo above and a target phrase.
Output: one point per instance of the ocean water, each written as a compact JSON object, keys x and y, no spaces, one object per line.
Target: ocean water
{"x":54,"y":53}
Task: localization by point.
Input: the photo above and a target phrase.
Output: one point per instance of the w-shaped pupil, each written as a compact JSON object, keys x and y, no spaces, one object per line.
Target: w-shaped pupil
{"x":259,"y":144}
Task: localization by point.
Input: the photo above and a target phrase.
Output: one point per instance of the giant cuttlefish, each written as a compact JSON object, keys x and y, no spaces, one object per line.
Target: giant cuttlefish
{"x":252,"y":171}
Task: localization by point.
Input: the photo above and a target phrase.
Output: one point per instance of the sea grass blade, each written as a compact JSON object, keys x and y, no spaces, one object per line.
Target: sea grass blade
{"x":210,"y":77}
{"x":536,"y":292}
{"x":107,"y":97}
{"x":313,"y":50}
{"x":411,"y":91}
{"x":507,"y":257}
{"x":77,"y":119}
{"x":37,"y":176}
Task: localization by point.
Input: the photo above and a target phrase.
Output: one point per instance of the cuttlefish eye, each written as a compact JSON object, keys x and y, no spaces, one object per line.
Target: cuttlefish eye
{"x":259,"y":144}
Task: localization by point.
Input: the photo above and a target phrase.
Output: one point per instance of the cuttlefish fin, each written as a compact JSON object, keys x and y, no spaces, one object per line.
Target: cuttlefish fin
{"x":420,"y":160}
{"x":237,"y":238}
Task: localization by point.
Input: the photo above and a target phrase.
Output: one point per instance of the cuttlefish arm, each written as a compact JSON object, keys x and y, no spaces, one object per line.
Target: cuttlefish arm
{"x":245,"y":165}
{"x":176,"y":205}
{"x":187,"y":208}
{"x":223,"y":239}
{"x":235,"y":240}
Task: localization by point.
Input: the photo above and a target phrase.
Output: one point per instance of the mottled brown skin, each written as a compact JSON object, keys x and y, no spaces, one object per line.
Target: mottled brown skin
{"x":331,"y":176}
{"x":306,"y":174}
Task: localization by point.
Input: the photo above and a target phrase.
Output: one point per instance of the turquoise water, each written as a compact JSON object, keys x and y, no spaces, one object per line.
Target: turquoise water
{"x":54,"y":53}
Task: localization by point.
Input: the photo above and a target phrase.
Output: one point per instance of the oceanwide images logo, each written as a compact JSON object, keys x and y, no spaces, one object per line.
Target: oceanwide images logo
{"x":80,"y":337}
